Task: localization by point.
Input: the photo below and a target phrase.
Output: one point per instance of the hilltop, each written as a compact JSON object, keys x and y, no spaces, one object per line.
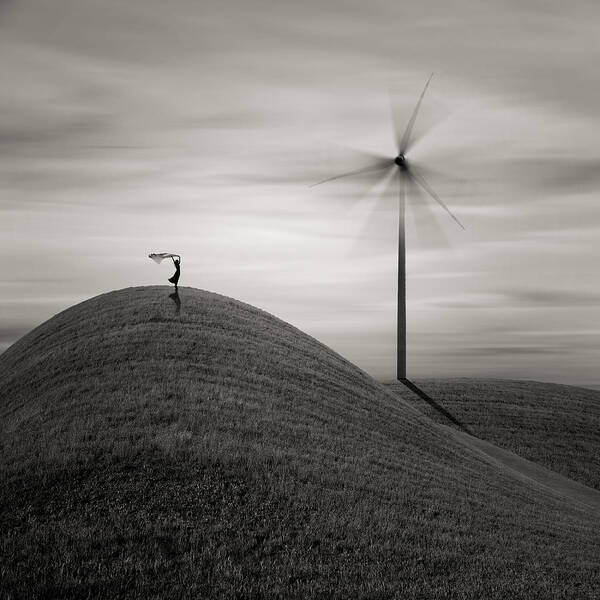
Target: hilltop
{"x":210,"y":449}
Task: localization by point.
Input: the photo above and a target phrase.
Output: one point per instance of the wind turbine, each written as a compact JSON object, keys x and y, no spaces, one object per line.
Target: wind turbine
{"x":407,"y":174}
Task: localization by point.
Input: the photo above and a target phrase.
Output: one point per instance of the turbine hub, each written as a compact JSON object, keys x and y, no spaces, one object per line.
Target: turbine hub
{"x":400,"y":161}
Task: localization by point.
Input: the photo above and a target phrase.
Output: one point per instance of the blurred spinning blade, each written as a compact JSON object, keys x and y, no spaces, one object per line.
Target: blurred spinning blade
{"x":378,"y":173}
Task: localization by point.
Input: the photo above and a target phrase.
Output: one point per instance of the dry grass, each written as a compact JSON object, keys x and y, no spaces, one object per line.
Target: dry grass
{"x":222,"y":453}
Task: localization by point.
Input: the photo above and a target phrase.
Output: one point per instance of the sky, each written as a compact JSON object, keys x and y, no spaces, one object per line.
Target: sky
{"x":198,"y":128}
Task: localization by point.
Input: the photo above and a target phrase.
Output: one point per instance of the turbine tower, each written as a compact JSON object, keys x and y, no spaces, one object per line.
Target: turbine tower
{"x":407,"y":174}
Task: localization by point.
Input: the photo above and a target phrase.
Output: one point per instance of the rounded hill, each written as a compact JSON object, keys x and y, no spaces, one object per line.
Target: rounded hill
{"x":155,"y":446}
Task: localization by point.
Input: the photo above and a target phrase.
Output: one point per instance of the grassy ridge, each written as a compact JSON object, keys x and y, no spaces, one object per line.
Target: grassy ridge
{"x":220,"y":452}
{"x":557,"y":426}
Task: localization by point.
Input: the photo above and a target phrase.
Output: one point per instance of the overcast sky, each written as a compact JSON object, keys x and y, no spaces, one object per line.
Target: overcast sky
{"x":137,"y":126}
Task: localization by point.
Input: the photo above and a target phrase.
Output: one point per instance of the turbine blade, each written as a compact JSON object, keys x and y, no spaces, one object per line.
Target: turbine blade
{"x":382,"y":164}
{"x":418,"y":177}
{"x":372,"y":227}
{"x":356,"y":156}
{"x":405,"y":140}
{"x":367,"y":185}
{"x":424,"y":218}
{"x":396,"y":124}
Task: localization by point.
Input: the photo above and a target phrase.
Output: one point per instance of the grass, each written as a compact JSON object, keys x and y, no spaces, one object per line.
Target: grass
{"x":220,"y":452}
{"x":557,"y":426}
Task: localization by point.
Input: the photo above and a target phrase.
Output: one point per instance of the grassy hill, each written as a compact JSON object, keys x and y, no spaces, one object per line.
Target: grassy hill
{"x":212,"y":450}
{"x":557,"y":426}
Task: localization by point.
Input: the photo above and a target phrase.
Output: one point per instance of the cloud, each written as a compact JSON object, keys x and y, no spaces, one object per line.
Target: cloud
{"x":523,"y":298}
{"x":506,"y":351}
{"x":554,"y":298}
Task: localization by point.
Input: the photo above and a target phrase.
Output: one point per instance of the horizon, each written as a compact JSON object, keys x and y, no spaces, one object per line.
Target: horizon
{"x":385,"y":380}
{"x":185,"y":130}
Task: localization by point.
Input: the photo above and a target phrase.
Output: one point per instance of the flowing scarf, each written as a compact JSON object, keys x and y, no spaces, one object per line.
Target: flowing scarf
{"x":158,"y":257}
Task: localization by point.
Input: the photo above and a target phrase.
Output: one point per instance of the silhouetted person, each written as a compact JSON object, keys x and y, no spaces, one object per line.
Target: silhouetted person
{"x":175,"y":277}
{"x":175,"y":297}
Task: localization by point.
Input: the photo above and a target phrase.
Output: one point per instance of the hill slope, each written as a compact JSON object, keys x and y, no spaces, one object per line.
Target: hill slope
{"x":557,"y":426}
{"x":221,"y":452}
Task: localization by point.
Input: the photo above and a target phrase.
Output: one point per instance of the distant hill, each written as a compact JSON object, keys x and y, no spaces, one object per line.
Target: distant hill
{"x":557,"y":426}
{"x":211,"y":450}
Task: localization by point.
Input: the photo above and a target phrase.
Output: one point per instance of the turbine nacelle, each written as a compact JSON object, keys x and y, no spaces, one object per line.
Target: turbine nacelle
{"x":400,"y":161}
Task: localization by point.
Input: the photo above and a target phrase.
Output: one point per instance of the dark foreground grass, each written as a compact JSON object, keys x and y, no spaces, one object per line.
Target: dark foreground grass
{"x":220,"y":452}
{"x":557,"y":426}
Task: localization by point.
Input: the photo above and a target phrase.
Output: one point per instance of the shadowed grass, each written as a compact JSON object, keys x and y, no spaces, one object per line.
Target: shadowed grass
{"x":220,"y":452}
{"x":557,"y":426}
